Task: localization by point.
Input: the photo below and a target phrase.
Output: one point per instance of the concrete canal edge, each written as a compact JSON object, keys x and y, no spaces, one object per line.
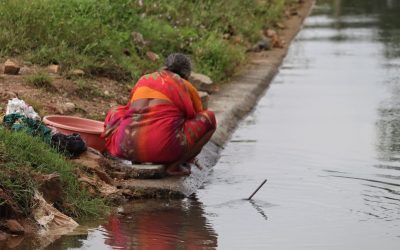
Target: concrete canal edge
{"x":231,"y":104}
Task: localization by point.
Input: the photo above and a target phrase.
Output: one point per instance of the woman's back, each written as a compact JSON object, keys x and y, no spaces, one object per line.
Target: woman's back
{"x":163,"y":122}
{"x":149,"y":129}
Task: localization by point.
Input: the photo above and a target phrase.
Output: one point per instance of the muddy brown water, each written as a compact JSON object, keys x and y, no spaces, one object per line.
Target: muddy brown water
{"x":326,"y":135}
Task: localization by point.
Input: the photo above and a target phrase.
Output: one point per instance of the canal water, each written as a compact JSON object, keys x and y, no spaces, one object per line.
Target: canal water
{"x":326,"y":135}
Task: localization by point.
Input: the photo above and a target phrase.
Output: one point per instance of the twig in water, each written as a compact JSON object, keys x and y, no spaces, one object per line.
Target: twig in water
{"x":251,"y":196}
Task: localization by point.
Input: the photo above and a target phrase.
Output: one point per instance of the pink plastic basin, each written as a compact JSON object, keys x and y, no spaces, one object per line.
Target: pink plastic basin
{"x":90,"y":130}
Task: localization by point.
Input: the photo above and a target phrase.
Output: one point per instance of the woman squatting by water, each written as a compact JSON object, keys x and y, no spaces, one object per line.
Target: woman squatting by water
{"x":163,"y":122}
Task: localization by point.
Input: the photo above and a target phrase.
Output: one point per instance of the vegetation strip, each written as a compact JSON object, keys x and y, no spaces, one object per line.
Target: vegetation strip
{"x":124,"y":39}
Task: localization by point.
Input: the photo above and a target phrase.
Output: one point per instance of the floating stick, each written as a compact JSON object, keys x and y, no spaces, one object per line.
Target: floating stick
{"x":251,"y":196}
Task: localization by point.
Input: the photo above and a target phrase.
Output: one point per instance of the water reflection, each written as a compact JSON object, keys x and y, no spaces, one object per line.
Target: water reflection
{"x":259,"y":209}
{"x":157,"y":225}
{"x":370,"y":22}
{"x":388,"y":125}
{"x":388,"y":122}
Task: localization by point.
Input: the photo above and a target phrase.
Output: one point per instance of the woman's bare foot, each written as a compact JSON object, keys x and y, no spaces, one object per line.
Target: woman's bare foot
{"x":177,"y":170}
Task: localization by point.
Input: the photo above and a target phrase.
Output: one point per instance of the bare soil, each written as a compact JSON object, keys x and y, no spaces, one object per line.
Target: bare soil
{"x":92,"y":96}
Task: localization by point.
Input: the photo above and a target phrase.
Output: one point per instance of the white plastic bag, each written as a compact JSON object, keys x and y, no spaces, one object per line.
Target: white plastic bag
{"x":16,"y":105}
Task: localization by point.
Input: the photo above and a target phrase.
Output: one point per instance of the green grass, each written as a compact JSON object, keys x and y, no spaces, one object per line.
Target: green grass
{"x":95,"y":35}
{"x":87,"y":89}
{"x":41,"y":80}
{"x":22,"y":156}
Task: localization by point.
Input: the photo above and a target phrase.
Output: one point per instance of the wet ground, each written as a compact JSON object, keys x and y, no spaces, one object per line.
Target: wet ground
{"x":326,"y":136}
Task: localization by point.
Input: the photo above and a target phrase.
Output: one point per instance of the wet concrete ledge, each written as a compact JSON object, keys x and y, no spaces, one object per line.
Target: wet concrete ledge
{"x":231,"y":104}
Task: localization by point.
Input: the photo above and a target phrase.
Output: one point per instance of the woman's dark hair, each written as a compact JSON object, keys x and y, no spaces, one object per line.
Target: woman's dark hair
{"x":179,"y":64}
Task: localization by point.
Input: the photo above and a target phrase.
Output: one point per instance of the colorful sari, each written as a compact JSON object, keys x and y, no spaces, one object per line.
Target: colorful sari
{"x":162,"y":133}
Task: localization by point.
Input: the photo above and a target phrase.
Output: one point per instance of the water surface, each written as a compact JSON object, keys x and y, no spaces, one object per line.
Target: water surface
{"x":326,"y":135}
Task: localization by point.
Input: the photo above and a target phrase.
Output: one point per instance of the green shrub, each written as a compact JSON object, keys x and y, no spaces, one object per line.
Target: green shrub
{"x":217,"y":57}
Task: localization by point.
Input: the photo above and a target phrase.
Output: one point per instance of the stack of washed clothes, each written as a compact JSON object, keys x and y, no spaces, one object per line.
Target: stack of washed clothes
{"x":22,"y":117}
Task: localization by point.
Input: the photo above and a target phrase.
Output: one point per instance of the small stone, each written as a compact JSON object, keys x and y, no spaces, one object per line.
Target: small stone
{"x":77,"y":72}
{"x":54,"y":68}
{"x":14,"y":227}
{"x":238,"y":39}
{"x":202,"y":82}
{"x":270,"y":33}
{"x":280,"y":25}
{"x":138,"y":39}
{"x":69,"y":107}
{"x":276,"y":42}
{"x":226,"y":36}
{"x":200,"y":78}
{"x":264,"y":44}
{"x":152,"y":56}
{"x":26,"y":71}
{"x":11,"y":68}
{"x":107,"y":93}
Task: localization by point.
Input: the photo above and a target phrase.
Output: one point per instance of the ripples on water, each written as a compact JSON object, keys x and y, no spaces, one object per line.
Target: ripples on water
{"x":327,"y":137}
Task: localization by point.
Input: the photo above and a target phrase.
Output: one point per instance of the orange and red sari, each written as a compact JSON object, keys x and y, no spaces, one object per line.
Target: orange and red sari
{"x":161,"y":133}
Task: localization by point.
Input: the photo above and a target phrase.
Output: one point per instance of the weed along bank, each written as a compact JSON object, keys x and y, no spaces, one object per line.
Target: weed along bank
{"x":79,"y":78}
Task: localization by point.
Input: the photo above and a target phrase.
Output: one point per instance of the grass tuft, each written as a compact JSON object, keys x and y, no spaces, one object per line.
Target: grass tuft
{"x":41,"y":80}
{"x":86,"y":89}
